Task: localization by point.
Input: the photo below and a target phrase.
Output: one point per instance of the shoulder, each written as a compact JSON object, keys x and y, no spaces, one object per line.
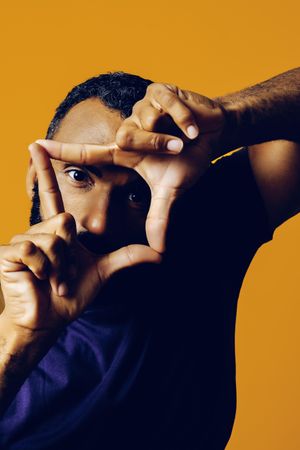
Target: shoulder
{"x":276,"y":169}
{"x":229,"y":193}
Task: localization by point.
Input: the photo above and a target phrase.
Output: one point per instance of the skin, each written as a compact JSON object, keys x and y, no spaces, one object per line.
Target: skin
{"x":217,"y":126}
{"x":47,"y":276}
{"x":35,"y":267}
{"x":110,"y":203}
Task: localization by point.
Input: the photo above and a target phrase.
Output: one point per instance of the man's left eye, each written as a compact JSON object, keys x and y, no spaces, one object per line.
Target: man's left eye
{"x":138,"y":200}
{"x":77,"y":175}
{"x":133,"y":197}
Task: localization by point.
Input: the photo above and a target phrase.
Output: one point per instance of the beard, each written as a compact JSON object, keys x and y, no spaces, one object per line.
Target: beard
{"x":35,"y":212}
{"x":97,"y":244}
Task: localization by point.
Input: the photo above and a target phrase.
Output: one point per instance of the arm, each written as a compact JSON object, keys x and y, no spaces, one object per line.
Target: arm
{"x":40,"y":295}
{"x":267,"y":111}
{"x":276,"y":168}
{"x":208,"y":128}
{"x":19,"y":354}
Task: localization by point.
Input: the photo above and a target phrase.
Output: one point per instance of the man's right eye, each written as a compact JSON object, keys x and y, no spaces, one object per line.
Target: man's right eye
{"x":77,"y":175}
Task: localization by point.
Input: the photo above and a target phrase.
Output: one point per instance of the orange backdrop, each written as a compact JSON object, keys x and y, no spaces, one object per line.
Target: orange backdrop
{"x":210,"y":47}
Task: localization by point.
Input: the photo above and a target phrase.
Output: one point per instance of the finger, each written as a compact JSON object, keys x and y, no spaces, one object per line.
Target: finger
{"x":146,"y":115}
{"x":23,"y":256}
{"x":126,"y":257}
{"x":158,"y":218}
{"x":49,"y":193}
{"x":55,"y":250}
{"x":89,"y":154}
{"x":170,"y":103}
{"x":130,"y":137}
{"x":63,"y":226}
{"x":83,"y":154}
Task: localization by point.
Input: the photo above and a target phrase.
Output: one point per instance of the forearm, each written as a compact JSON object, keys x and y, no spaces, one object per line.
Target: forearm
{"x":267,"y":111}
{"x":19,"y":354}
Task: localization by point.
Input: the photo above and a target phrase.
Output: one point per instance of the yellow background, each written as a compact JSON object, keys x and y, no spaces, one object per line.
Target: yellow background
{"x":211,"y":47}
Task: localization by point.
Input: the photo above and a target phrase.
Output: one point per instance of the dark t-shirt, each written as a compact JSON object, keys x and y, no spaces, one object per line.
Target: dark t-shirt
{"x":150,"y":364}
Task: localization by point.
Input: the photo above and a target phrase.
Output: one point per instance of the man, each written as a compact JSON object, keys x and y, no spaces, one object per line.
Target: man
{"x":142,"y":357}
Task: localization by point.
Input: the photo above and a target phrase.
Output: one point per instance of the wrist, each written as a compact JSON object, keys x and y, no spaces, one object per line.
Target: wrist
{"x":235,"y":130}
{"x":20,"y":340}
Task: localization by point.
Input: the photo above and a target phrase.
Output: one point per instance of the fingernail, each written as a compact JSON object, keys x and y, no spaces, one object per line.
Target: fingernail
{"x":175,"y":145}
{"x":41,"y":141}
{"x":62,"y":290}
{"x":192,"y":131}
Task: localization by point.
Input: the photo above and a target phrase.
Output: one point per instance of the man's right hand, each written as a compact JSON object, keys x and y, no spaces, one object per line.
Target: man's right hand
{"x":47,"y":276}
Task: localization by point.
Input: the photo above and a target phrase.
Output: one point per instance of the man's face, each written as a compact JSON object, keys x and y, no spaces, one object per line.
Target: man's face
{"x":109,"y":203}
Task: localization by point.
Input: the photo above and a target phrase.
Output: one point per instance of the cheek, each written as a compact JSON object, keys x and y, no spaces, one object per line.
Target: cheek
{"x":76,"y":202}
{"x":136,"y":221}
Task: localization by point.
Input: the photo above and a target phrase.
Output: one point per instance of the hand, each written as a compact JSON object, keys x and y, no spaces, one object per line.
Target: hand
{"x":47,"y":276}
{"x":156,"y":156}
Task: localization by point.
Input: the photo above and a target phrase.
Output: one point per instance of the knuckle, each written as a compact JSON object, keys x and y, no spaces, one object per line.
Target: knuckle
{"x":65,"y":219}
{"x":15,"y":239}
{"x":54,"y":245}
{"x":124,"y":137}
{"x":43,"y":265}
{"x":186,"y":116}
{"x":27,"y":248}
{"x":168,"y":99}
{"x":183,"y":95}
{"x":83,"y":157}
{"x":155,"y":87}
{"x":150,"y":88}
{"x":51,"y":189}
{"x":129,"y":253}
{"x":137,"y":106}
{"x":173,"y":88}
{"x":150,"y":120}
{"x":156,"y":142}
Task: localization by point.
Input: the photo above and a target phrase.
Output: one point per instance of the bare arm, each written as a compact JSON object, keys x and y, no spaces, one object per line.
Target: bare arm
{"x":269,"y":114}
{"x":41,"y":298}
{"x":264,"y":112}
{"x":19,"y":354}
{"x":205,"y":129}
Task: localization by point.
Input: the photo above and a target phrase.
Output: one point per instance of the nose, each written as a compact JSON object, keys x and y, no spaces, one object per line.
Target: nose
{"x":95,"y":219}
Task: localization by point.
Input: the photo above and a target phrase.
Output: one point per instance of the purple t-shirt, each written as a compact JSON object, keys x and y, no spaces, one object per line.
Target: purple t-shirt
{"x":150,"y":364}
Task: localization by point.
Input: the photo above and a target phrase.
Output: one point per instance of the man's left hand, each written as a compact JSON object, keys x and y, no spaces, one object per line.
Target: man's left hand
{"x":170,"y":139}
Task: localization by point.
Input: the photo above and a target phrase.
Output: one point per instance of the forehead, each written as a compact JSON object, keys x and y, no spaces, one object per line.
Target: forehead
{"x":89,"y":122}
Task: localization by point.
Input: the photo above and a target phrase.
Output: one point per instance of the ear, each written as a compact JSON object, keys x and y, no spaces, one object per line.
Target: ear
{"x":30,"y":179}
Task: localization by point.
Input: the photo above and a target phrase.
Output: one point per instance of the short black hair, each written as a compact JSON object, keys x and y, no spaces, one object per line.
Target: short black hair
{"x":117,"y":90}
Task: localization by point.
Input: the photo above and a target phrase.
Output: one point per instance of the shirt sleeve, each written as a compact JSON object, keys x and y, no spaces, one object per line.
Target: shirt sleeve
{"x":235,"y":191}
{"x":223,"y":217}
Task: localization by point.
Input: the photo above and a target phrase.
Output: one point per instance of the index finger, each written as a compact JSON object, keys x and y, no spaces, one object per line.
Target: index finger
{"x":91,"y":154}
{"x":83,"y":154}
{"x":50,"y":197}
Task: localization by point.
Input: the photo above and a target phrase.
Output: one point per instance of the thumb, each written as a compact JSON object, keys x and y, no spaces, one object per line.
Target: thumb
{"x":130,"y":255}
{"x":158,"y":217}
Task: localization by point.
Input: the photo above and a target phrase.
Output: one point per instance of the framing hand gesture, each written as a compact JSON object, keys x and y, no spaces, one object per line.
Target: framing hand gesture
{"x":148,"y":142}
{"x":47,"y":276}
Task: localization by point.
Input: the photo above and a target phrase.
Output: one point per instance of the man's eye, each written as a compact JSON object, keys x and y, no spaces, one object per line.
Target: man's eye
{"x":138,"y":200}
{"x":134,"y":197}
{"x":77,"y":175}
